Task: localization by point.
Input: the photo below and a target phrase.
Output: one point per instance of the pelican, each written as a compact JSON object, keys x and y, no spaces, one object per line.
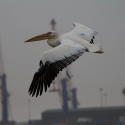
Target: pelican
{"x":66,"y":49}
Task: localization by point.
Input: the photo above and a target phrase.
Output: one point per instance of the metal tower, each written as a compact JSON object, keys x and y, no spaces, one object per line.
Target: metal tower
{"x":4,"y":93}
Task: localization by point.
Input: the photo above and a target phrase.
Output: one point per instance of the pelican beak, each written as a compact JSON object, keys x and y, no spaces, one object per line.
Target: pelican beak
{"x":100,"y":51}
{"x":48,"y":35}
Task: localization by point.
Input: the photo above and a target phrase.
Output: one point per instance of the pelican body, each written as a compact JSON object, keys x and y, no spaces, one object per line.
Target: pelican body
{"x":66,"y":49}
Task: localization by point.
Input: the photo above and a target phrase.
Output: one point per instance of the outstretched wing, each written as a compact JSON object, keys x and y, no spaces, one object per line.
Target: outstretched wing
{"x":52,"y":62}
{"x":84,"y":32}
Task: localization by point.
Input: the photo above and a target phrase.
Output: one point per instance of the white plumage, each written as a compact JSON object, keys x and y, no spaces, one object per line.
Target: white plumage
{"x":67,"y":48}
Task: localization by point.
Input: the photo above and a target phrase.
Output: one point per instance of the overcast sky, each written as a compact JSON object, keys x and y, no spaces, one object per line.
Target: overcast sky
{"x":21,"y":20}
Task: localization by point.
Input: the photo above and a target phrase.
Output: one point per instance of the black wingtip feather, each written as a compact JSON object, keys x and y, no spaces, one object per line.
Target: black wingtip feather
{"x":34,"y":89}
{"x":38,"y":87}
{"x":47,"y":73}
{"x":41,"y":87}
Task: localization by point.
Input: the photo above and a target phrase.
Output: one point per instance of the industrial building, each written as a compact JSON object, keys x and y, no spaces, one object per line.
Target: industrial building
{"x":81,"y":116}
{"x":86,"y":116}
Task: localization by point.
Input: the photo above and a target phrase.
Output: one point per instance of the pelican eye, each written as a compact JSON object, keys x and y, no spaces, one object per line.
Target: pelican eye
{"x":49,"y":33}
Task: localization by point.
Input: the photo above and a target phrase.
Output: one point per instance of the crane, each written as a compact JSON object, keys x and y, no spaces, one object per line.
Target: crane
{"x":4,"y":93}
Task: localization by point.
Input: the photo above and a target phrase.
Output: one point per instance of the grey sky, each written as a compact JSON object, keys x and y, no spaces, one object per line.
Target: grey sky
{"x":20,"y":20}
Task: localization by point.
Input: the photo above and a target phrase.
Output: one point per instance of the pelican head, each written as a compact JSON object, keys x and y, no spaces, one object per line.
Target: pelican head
{"x":48,"y":35}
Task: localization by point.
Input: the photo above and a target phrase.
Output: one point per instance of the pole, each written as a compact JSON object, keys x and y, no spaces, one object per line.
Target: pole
{"x":65,"y":100}
{"x":101,"y":97}
{"x":105,"y":99}
{"x":29,"y":110}
{"x":53,"y":23}
{"x":74,"y":98}
{"x":123,"y":92}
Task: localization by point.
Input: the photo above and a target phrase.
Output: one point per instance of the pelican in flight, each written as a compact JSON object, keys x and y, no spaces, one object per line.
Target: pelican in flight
{"x":67,"y":48}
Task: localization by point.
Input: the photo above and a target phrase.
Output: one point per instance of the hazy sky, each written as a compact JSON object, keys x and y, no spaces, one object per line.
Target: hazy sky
{"x":20,"y":20}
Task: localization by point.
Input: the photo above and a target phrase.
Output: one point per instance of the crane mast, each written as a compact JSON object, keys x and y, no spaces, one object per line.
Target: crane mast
{"x":4,"y":93}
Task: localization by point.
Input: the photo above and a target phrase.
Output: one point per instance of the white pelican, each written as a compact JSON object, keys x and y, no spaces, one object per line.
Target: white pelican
{"x":67,"y":48}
